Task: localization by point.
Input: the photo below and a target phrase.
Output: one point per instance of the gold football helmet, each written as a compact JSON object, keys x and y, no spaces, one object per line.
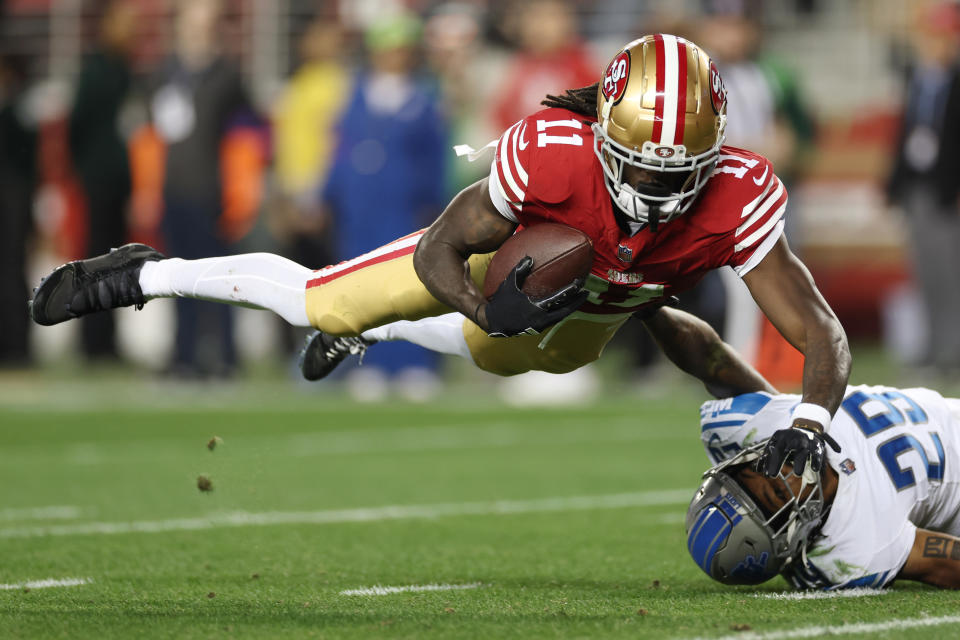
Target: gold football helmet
{"x":661,"y":107}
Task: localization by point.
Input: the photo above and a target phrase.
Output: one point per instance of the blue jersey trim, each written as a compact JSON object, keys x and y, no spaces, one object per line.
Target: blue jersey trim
{"x":874,"y":580}
{"x":720,"y":425}
{"x":749,"y":403}
{"x":807,"y":576}
{"x":743,"y":407}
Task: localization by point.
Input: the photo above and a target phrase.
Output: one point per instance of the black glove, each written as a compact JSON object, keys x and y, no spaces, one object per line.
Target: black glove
{"x":796,"y":444}
{"x":511,"y":312}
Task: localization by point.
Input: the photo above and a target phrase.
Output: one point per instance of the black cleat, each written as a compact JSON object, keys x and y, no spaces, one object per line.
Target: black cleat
{"x":323,"y":352}
{"x":95,"y":284}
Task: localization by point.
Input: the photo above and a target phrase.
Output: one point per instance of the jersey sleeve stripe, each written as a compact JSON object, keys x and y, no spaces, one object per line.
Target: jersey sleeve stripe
{"x":515,"y":138}
{"x":504,"y":188}
{"x":504,"y":179}
{"x":498,"y":198}
{"x":762,"y":232}
{"x":761,"y":251}
{"x":721,"y":424}
{"x":508,"y":183}
{"x":747,"y":210}
{"x":777,"y":197}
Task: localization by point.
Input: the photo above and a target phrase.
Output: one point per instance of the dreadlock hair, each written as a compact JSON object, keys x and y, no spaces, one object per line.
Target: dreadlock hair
{"x":582,"y":101}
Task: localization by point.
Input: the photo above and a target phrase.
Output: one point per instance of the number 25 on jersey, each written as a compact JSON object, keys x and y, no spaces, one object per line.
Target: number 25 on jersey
{"x":890,"y":450}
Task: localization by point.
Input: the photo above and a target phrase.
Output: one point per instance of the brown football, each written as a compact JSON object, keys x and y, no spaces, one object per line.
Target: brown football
{"x":560,"y":255}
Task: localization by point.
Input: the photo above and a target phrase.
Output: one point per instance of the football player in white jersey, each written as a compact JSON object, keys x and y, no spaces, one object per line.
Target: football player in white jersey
{"x":887,"y":507}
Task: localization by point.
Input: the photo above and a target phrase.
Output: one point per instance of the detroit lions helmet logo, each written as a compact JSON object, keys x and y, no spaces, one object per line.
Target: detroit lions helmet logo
{"x":751,"y":567}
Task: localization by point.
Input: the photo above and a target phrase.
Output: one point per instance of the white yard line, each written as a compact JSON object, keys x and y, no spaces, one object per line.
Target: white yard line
{"x":672,"y":518}
{"x":857,"y":592}
{"x":371,"y":514}
{"x":377,"y":590}
{"x":46,"y":583}
{"x":55,"y":512}
{"x":844,"y":629}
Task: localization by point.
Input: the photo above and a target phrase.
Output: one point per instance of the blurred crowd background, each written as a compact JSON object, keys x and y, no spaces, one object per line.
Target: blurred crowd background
{"x":320,"y":129}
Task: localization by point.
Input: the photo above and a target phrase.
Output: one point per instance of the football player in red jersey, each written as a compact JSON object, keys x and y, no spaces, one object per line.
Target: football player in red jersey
{"x":637,"y":162}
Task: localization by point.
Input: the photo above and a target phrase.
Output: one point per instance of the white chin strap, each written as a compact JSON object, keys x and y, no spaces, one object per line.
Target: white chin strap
{"x":634,"y":206}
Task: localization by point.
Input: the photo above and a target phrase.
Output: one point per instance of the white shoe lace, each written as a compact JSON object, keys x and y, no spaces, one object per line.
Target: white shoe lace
{"x":342,"y":347}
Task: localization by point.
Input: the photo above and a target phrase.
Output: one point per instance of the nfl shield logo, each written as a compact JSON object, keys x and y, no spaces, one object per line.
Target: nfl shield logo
{"x":847,"y":466}
{"x":624,"y":253}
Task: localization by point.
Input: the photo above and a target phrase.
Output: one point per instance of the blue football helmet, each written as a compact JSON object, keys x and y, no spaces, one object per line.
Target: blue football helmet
{"x":733,"y":539}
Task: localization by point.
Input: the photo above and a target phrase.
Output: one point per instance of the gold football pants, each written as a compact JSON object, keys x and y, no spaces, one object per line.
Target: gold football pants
{"x":382,"y":287}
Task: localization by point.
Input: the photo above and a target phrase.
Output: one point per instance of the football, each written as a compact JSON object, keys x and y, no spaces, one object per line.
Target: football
{"x":560,"y":255}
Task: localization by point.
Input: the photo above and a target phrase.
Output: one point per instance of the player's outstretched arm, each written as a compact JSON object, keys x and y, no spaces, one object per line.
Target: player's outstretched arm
{"x":693,"y":345}
{"x":470,"y":224}
{"x":934,"y":559}
{"x":785,"y":291}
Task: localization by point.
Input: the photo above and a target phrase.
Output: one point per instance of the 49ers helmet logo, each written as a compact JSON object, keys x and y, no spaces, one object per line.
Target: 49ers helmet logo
{"x":615,"y":77}
{"x":718,"y":92}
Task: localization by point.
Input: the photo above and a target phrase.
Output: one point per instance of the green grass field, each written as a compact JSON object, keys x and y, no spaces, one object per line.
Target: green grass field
{"x":551,"y":523}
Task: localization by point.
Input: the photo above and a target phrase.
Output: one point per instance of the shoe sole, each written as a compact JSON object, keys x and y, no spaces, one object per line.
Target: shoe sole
{"x":44,"y":306}
{"x":303,"y":357}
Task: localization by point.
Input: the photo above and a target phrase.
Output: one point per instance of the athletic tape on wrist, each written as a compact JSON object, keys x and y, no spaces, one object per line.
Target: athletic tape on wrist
{"x":814,"y":412}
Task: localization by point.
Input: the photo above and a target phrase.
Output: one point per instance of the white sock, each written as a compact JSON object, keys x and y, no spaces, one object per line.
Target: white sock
{"x":255,"y":280}
{"x":443,"y":334}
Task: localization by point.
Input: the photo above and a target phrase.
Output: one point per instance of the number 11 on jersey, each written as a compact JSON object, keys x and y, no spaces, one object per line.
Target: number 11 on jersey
{"x":543,"y":139}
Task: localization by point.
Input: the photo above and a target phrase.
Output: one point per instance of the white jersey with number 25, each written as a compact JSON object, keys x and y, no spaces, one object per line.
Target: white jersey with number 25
{"x":899,"y":469}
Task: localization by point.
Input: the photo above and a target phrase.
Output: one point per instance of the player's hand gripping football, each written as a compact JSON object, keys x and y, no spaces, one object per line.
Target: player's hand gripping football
{"x":511,"y":312}
{"x":801,"y":445}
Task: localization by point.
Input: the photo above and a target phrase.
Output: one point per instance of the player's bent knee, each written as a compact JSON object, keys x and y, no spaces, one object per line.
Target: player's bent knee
{"x":336,"y":326}
{"x":342,"y":317}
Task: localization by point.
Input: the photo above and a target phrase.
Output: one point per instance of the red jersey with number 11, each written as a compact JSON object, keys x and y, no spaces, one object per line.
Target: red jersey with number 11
{"x":546,"y":170}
